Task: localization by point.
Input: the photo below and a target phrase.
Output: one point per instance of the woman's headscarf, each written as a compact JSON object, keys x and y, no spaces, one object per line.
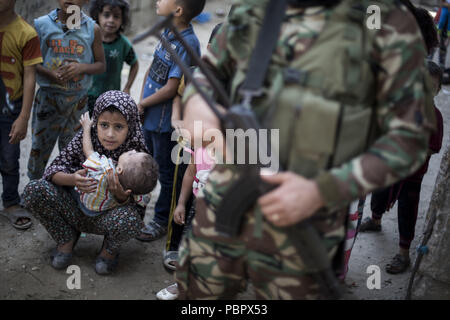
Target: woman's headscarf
{"x":72,"y":157}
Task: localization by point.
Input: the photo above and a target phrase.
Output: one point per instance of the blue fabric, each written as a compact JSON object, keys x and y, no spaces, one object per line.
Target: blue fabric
{"x":61,"y":46}
{"x":444,"y":17}
{"x":157,"y":118}
{"x":162,"y":149}
{"x":9,"y":158}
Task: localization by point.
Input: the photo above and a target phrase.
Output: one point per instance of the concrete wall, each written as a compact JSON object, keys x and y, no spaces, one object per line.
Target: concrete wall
{"x":432,"y":279}
{"x":142,"y":12}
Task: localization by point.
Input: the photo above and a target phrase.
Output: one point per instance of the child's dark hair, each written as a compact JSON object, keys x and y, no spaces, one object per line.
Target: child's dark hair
{"x":435,"y":71}
{"x":428,"y":29}
{"x":191,"y":8}
{"x":141,"y":177}
{"x":98,"y":5}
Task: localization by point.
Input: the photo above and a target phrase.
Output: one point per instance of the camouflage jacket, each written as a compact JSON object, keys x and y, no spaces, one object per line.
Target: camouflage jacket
{"x":396,"y":88}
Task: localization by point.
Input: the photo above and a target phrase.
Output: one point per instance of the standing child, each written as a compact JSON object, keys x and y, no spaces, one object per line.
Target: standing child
{"x":407,"y":192}
{"x":159,"y":90}
{"x":194,"y":181}
{"x":112,"y":16}
{"x":72,"y":53}
{"x":19,"y":55}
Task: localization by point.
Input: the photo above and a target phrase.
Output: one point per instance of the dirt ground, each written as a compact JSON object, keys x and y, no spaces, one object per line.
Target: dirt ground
{"x":25,"y":272}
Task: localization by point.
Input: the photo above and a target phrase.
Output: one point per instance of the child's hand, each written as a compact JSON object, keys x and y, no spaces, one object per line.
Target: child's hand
{"x":86,"y":121}
{"x":56,"y":77}
{"x":83,"y":183}
{"x":179,"y":214}
{"x":18,"y":130}
{"x":140,"y":108}
{"x":116,"y":188}
{"x":70,"y":71}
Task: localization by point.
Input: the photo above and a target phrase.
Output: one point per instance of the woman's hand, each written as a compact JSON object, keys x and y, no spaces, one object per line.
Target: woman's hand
{"x":179,"y":214}
{"x":116,"y":188}
{"x":83,"y":183}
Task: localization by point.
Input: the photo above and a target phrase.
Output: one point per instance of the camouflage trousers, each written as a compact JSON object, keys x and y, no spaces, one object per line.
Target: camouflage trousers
{"x":54,"y":116}
{"x":211,"y":266}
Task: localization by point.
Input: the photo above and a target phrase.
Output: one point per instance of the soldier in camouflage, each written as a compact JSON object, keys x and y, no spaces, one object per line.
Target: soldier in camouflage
{"x":356,"y":121}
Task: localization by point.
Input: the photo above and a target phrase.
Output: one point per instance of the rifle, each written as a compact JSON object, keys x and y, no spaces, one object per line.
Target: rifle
{"x":249,"y":186}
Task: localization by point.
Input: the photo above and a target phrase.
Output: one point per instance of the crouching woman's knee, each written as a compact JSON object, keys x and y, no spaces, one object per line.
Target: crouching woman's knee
{"x":38,"y":194}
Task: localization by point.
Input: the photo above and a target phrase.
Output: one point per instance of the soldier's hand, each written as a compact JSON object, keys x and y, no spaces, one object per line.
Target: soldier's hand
{"x":294,"y":200}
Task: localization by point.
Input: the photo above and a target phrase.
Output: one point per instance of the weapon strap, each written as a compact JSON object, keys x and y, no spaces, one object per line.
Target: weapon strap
{"x":265,"y":45}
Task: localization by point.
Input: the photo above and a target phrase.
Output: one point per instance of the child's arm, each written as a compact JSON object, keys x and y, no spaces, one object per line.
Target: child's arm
{"x":19,"y":127}
{"x":186,"y":191}
{"x":52,"y":75}
{"x":131,"y":77}
{"x":176,"y":112}
{"x":86,"y":123}
{"x":168,"y":91}
{"x":74,"y":69}
{"x":78,"y":179}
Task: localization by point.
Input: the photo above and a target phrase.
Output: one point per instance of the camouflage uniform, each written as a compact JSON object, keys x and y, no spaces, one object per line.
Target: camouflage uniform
{"x":394,"y":85}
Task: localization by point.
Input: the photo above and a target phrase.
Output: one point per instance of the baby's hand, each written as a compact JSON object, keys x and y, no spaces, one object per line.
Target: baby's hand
{"x":86,"y":121}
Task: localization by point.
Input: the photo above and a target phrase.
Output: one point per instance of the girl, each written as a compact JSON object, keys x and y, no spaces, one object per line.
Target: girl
{"x":112,"y":16}
{"x":116,"y":129}
{"x":193,"y":181}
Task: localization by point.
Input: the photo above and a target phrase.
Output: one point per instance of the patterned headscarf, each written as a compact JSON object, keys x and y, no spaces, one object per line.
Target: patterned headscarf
{"x":72,"y":157}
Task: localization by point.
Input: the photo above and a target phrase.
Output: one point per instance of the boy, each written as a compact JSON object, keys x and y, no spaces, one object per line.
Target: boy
{"x":137,"y":172}
{"x":20,"y":53}
{"x":158,"y":92}
{"x":72,"y":53}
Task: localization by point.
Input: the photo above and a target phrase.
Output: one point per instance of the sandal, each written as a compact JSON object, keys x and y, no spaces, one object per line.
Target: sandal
{"x":18,"y":213}
{"x":61,"y":260}
{"x":165,"y":294}
{"x":152,"y":231}
{"x":104,"y":266}
{"x":398,"y":264}
{"x":369,"y":225}
{"x":170,"y":259}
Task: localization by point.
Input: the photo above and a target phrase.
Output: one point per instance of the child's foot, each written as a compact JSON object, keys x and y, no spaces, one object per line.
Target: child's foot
{"x":399,"y":264}
{"x":370,"y":224}
{"x":20,"y":217}
{"x":169,"y":293}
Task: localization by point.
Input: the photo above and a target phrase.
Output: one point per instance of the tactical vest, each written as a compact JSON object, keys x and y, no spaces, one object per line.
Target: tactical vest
{"x":324,"y":101}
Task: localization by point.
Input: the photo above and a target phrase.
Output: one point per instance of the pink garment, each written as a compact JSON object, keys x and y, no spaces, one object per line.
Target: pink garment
{"x":203,"y":164}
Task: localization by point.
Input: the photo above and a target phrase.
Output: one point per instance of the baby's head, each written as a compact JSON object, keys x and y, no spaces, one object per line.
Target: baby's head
{"x":137,"y":172}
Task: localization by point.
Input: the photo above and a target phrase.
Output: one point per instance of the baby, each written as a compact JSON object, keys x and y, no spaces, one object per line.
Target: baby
{"x":137,"y":173}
